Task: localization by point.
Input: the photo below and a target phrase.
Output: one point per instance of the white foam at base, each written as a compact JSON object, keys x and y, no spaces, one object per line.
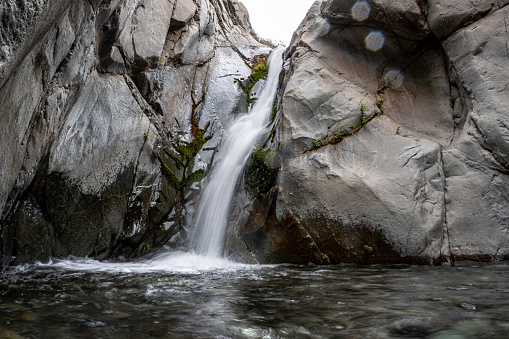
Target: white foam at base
{"x":178,"y":262}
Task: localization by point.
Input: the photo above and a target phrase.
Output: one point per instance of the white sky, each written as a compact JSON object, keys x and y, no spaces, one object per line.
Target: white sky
{"x":277,"y":19}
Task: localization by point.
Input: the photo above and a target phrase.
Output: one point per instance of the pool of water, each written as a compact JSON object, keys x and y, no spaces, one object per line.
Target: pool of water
{"x":187,"y":296}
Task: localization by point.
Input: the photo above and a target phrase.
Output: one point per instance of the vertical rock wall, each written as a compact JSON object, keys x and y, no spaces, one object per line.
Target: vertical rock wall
{"x":426,"y":179}
{"x":94,"y":95}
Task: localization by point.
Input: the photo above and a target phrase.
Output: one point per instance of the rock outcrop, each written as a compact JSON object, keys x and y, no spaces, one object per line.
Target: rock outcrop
{"x":426,"y":180}
{"x":391,"y":141}
{"x":109,"y":112}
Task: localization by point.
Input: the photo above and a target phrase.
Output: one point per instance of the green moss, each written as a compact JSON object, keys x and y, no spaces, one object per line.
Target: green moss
{"x":362,"y":108}
{"x":172,"y":178}
{"x":189,"y":150}
{"x":317,"y":143}
{"x":259,"y":71}
{"x":194,"y":177}
{"x":186,"y":152}
{"x":261,"y":171}
{"x":339,"y":133}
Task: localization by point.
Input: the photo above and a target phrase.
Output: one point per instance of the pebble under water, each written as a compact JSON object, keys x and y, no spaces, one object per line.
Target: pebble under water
{"x":186,"y":296}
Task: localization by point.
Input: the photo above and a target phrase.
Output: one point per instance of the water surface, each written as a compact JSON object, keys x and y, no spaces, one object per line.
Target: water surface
{"x":187,"y":296}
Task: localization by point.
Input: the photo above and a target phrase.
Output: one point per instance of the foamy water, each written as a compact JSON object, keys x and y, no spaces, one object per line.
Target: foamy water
{"x":170,"y":262}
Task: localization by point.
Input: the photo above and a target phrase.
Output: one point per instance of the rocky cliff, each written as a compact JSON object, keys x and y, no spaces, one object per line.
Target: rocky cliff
{"x":390,"y":144}
{"x":393,"y":135}
{"x":110,"y":111}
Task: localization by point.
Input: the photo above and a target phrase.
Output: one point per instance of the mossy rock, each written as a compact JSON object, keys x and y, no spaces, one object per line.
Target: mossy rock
{"x":261,"y":171}
{"x":181,"y":156}
{"x":259,"y":71}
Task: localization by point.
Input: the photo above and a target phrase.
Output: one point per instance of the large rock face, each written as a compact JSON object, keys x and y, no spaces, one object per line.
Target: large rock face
{"x":427,"y":179}
{"x":92,"y":95}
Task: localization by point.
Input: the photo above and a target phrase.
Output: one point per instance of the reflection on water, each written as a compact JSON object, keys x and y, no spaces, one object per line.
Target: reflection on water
{"x":89,"y":299}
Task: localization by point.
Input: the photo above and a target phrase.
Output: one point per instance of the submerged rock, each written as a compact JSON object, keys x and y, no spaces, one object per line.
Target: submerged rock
{"x":426,"y":180}
{"x":91,"y":94}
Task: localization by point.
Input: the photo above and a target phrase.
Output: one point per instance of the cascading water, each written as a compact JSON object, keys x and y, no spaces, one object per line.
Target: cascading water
{"x":213,"y":208}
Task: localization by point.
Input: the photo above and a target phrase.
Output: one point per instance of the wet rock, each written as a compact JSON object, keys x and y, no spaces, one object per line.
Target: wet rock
{"x":34,"y":233}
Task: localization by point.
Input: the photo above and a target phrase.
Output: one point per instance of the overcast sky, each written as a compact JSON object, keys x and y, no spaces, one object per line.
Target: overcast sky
{"x":277,"y":19}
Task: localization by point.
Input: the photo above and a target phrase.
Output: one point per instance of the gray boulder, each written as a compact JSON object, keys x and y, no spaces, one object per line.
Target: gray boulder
{"x":424,"y":180}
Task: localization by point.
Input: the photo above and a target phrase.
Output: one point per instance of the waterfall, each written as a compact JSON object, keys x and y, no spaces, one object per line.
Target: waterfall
{"x":213,"y":208}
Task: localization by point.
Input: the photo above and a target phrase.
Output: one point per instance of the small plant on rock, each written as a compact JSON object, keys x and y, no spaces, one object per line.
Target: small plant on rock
{"x":160,"y":77}
{"x":317,"y":143}
{"x":261,"y":171}
{"x":362,"y":107}
{"x":185,"y":153}
{"x":260,"y":70}
{"x":339,"y":133}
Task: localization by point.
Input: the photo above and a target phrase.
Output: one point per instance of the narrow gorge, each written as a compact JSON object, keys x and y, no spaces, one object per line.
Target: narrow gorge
{"x":387,"y":139}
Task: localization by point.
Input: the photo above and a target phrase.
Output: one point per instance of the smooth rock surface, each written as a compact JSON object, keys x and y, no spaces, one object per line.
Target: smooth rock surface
{"x":426,"y":181}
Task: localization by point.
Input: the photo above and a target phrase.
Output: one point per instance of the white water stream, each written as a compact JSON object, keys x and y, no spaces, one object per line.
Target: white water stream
{"x":211,"y":216}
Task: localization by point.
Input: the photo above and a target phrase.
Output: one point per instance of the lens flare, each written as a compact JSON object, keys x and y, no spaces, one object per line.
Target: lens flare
{"x":375,"y":41}
{"x":361,"y":10}
{"x":321,"y":26}
{"x":394,"y":78}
